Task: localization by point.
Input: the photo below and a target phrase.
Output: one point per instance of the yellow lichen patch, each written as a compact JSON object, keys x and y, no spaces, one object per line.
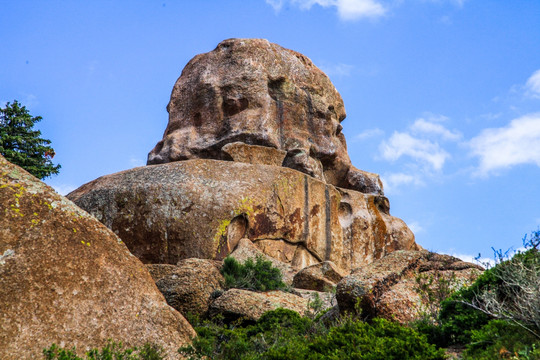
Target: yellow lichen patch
{"x":245,"y":207}
{"x":18,"y":191}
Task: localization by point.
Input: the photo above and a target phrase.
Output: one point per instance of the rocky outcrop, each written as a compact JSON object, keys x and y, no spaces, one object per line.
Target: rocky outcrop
{"x":319,"y":277}
{"x":202,"y":208}
{"x":189,"y":285}
{"x":67,"y":279}
{"x":247,"y":305}
{"x":259,"y":93}
{"x":391,"y":287}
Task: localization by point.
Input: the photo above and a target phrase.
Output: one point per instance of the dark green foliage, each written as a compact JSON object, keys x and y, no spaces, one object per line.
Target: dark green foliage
{"x":283,"y":334}
{"x":111,"y":351}
{"x":500,"y":339}
{"x":22,"y":145}
{"x":258,"y":275}
{"x":498,"y":316}
{"x":456,"y":319}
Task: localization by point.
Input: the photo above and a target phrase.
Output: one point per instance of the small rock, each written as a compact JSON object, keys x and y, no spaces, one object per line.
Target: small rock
{"x":320,"y":277}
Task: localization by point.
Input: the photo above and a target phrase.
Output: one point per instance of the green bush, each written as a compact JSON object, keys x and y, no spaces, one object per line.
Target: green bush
{"x":500,"y":339}
{"x":258,"y":275}
{"x":283,"y":334}
{"x":112,"y":351}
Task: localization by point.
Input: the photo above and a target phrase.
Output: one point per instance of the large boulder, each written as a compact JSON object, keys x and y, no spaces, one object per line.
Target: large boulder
{"x":319,"y":277}
{"x":259,"y":93}
{"x":67,"y":279}
{"x":248,"y":305}
{"x":188,"y":286}
{"x":399,"y":286}
{"x":202,"y":208}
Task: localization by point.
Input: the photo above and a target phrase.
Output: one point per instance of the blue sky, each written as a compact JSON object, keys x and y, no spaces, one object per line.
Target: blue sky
{"x":442,"y":96}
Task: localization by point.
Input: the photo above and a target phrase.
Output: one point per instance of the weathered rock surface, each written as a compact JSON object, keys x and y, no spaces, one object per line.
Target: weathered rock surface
{"x":202,"y":208}
{"x":67,"y":279}
{"x":387,"y":287}
{"x":188,"y":286}
{"x":249,"y":305}
{"x":259,"y":93}
{"x":254,"y":154}
{"x":246,"y":249}
{"x":319,"y":277}
{"x":327,"y":299}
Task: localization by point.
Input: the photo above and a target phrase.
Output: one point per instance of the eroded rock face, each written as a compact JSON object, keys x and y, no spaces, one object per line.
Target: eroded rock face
{"x":387,"y":287}
{"x":67,"y":279}
{"x":202,"y":208}
{"x":188,"y":285}
{"x":259,"y":93}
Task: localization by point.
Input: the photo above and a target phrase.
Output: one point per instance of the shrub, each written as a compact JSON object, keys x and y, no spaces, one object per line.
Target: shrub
{"x":112,"y":351}
{"x":500,"y":339}
{"x":258,"y":275}
{"x":283,"y":334}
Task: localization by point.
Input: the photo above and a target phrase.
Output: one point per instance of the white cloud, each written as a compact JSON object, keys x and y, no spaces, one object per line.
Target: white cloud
{"x":424,"y":151}
{"x":337,"y":70}
{"x":415,"y":227}
{"x":428,"y":127}
{"x":63,"y":189}
{"x":501,"y":148}
{"x":276,"y":4}
{"x":356,"y":9}
{"x":369,"y":133}
{"x":483,"y":261}
{"x":347,"y":9}
{"x":393,"y":181}
{"x":533,"y":85}
{"x":135,"y":162}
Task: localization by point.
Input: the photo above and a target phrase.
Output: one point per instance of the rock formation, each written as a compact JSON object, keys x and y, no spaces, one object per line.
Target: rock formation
{"x":389,"y":287}
{"x":67,"y":279}
{"x":253,"y":149}
{"x":259,"y":93}
{"x":202,"y":208}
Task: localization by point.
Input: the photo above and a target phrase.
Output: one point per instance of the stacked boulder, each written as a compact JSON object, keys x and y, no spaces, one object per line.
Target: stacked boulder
{"x":253,"y":149}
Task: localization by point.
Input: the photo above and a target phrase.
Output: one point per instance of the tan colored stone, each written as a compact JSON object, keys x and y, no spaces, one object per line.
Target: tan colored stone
{"x":189,"y":286}
{"x":67,"y":279}
{"x":388,"y":287}
{"x":328,"y":299}
{"x":254,"y":154}
{"x":259,"y":93}
{"x":246,"y":249}
{"x":249,"y":305}
{"x":159,"y":271}
{"x":320,"y":277}
{"x":202,"y":208}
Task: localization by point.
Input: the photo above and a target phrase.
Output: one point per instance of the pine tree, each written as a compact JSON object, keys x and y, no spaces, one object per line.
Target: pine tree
{"x":22,"y":145}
